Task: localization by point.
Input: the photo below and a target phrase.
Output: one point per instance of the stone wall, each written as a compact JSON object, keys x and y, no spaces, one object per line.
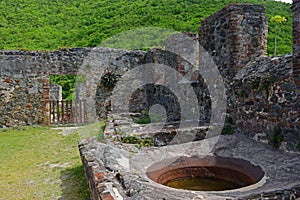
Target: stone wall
{"x":296,"y":42}
{"x":55,"y":92}
{"x":25,"y":87}
{"x":20,"y":101}
{"x":263,"y":102}
{"x":25,"y":79}
{"x":260,"y":89}
{"x":234,"y":36}
{"x":159,"y":94}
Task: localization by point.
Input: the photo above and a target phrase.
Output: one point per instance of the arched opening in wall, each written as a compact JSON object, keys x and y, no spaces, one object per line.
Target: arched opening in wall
{"x":153,"y":94}
{"x":67,"y":99}
{"x":143,"y":99}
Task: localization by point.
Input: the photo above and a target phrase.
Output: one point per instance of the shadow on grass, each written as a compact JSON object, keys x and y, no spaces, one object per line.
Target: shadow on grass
{"x":74,"y":184}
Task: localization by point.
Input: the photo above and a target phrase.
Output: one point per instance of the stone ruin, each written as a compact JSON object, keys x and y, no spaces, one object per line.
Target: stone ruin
{"x":262,"y":104}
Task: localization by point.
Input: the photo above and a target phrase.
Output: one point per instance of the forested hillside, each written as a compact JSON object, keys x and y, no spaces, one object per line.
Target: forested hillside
{"x":52,"y":24}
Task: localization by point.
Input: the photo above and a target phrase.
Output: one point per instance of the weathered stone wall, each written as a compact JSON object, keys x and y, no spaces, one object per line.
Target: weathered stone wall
{"x":263,"y":102}
{"x":55,"y":92}
{"x":260,"y":90}
{"x":98,"y":62}
{"x":20,"y":101}
{"x":25,"y":87}
{"x":32,"y":70}
{"x":296,"y":42}
{"x":159,"y":94}
{"x":234,"y":36}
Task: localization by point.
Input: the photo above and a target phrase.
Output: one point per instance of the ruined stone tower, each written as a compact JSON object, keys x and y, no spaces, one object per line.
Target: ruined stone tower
{"x":234,"y":36}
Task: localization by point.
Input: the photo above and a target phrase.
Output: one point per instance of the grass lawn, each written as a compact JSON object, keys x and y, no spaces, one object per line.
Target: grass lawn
{"x":41,"y":163}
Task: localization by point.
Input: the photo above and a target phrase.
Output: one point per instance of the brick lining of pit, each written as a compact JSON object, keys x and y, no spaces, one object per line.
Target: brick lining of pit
{"x":238,"y":171}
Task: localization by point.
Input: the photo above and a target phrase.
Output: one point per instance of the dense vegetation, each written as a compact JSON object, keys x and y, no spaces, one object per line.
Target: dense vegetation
{"x":68,"y":83}
{"x":45,"y":24}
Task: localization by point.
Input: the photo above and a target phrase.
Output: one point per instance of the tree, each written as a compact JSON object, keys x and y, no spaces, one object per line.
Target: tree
{"x":277,"y":19}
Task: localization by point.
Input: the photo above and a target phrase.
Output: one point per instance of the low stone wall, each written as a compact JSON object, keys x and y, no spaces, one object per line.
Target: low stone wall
{"x":99,"y":179}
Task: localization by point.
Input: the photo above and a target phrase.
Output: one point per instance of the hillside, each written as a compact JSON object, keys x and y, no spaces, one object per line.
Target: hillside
{"x":52,"y":24}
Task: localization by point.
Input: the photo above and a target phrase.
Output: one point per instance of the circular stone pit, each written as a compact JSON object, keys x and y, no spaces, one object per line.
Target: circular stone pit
{"x":209,"y":173}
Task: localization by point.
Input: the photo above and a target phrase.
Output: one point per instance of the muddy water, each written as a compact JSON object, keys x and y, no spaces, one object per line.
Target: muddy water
{"x":202,"y":184}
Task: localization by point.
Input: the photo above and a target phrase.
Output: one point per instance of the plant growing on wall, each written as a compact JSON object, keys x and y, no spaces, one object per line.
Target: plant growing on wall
{"x":276,"y":137}
{"x":139,"y":142}
{"x":277,"y":19}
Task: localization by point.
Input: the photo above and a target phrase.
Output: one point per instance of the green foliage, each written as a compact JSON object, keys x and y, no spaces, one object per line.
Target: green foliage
{"x":44,"y":24}
{"x":277,"y":19}
{"x":140,"y":38}
{"x":276,"y":137}
{"x":146,"y":119}
{"x":262,"y":84}
{"x":68,"y":83}
{"x":143,"y":120}
{"x":298,"y":146}
{"x":109,"y":79}
{"x":228,"y":127}
{"x":139,"y":142}
{"x":242,"y":93}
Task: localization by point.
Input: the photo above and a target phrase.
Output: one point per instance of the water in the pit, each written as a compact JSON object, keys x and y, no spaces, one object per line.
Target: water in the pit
{"x":202,"y":184}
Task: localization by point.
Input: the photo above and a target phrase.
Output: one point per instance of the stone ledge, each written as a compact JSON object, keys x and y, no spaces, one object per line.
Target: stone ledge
{"x":126,"y":171}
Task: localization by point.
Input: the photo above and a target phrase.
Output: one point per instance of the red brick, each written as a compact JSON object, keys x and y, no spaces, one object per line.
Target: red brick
{"x":29,"y":106}
{"x":6,"y":80}
{"x":106,"y":196}
{"x":101,"y":187}
{"x":100,"y":176}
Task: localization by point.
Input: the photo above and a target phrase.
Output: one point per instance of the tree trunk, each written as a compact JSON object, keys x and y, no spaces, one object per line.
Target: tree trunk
{"x":275,"y":43}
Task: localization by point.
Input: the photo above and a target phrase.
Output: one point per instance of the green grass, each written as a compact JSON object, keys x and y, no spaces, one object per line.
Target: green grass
{"x":40,"y":163}
{"x":94,"y":129}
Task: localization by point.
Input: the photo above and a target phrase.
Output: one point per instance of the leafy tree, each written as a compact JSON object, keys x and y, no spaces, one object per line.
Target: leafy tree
{"x":68,"y":83}
{"x":277,"y":19}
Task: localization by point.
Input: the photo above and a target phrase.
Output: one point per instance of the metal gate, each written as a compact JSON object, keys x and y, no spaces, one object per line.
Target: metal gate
{"x":68,"y":112}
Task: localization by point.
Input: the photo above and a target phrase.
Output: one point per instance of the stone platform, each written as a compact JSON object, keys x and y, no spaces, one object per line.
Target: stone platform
{"x":116,"y":170}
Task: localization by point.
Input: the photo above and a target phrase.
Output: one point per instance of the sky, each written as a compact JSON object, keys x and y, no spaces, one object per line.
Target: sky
{"x":287,"y":1}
